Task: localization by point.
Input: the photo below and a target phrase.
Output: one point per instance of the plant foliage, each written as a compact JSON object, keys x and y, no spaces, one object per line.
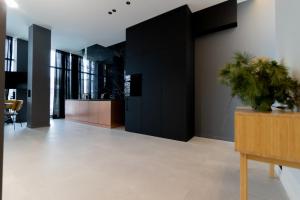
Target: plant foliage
{"x":260,"y":82}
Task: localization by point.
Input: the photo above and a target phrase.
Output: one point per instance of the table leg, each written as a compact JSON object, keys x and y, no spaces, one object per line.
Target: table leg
{"x":272,"y":171}
{"x":243,"y":177}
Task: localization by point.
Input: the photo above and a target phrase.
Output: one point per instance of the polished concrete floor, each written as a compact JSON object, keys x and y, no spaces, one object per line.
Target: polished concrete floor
{"x":71,"y":161}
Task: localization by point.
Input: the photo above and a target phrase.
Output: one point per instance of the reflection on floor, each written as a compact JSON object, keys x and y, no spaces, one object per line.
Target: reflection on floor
{"x":71,"y":161}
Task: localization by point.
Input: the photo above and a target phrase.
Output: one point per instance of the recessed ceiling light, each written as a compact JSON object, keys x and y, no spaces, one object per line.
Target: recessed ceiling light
{"x":12,"y":3}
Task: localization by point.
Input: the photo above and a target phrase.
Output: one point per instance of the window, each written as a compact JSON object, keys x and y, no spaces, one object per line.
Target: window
{"x":85,"y":76}
{"x":10,"y":62}
{"x":88,"y":78}
{"x":93,"y":79}
{"x":65,"y":70}
{"x":60,"y":81}
{"x":10,"y":54}
{"x":68,"y":77}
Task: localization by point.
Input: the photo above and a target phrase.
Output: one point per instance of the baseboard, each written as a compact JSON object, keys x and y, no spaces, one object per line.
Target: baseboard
{"x":290,"y":182}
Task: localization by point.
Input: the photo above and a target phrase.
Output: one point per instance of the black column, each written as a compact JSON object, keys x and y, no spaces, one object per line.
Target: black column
{"x":39,"y":47}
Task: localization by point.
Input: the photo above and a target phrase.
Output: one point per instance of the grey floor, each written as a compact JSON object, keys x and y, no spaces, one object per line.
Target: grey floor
{"x":71,"y":161}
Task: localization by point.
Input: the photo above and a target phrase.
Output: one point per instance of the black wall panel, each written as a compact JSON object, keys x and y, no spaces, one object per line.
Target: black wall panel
{"x":216,"y":18}
{"x":151,"y":99}
{"x":161,"y":49}
{"x":133,"y":122}
{"x":74,"y":77}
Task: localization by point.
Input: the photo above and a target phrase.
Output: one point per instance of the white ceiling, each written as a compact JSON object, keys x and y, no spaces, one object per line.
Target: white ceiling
{"x":76,"y":24}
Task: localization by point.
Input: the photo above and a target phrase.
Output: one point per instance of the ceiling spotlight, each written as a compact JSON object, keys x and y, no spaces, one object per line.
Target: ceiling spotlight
{"x":114,"y":10}
{"x":128,"y":2}
{"x":12,"y":3}
{"x":110,"y":13}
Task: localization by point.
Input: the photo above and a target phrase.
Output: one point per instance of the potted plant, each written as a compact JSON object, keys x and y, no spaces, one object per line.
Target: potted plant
{"x":260,"y":82}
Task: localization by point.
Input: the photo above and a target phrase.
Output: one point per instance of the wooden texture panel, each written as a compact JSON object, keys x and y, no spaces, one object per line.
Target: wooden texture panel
{"x":268,"y":135}
{"x":272,"y":171}
{"x":104,"y":110}
{"x":243,"y":177}
{"x":100,"y":113}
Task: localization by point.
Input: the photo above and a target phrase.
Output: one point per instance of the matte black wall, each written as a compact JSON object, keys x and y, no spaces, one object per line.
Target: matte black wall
{"x":22,"y":66}
{"x":74,"y":79}
{"x":109,"y":70}
{"x":162,"y":50}
{"x":216,"y":18}
{"x":39,"y":46}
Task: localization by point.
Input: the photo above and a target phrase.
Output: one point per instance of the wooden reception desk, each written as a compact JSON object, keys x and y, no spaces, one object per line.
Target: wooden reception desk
{"x":104,"y":113}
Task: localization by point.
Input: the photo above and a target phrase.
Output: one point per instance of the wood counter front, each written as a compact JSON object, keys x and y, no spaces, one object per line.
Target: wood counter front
{"x":107,"y":114}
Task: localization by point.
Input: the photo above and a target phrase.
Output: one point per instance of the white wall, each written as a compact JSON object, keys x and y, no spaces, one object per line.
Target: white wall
{"x":288,"y":43}
{"x":255,"y":34}
{"x":288,"y":33}
{"x":266,"y":28}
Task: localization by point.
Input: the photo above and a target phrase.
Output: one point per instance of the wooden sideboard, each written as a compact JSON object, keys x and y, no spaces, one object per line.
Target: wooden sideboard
{"x":273,"y":138}
{"x":107,"y":114}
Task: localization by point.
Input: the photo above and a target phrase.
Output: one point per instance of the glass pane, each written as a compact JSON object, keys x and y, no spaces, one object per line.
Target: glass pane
{"x":14,"y":56}
{"x":52,"y":57}
{"x":12,"y":94}
{"x":52,"y":75}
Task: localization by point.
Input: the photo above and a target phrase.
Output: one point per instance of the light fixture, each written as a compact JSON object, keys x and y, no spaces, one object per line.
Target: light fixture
{"x":113,"y":11}
{"x":12,"y":3}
